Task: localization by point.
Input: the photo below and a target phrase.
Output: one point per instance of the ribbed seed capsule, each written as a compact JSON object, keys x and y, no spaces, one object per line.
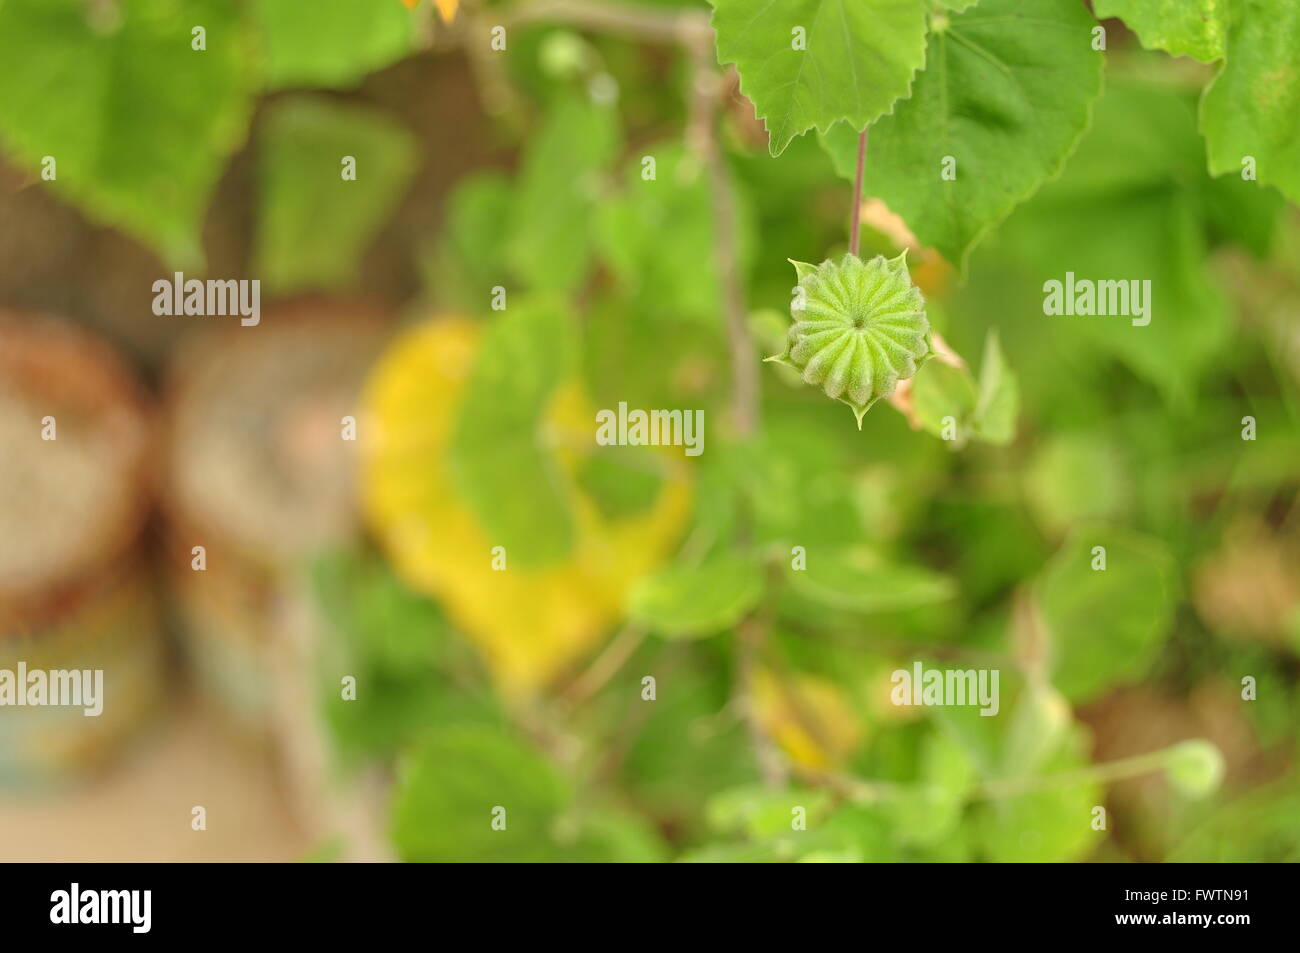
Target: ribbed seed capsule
{"x":859,"y":328}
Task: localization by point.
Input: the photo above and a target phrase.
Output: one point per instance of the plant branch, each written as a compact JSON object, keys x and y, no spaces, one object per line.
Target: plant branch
{"x":702,"y":134}
{"x":862,"y":791}
{"x":636,"y":20}
{"x":692,"y":30}
{"x":637,"y":711}
{"x":854,"y":789}
{"x":607,"y":663}
{"x":855,"y":219}
{"x":1094,"y":774}
{"x":746,"y":386}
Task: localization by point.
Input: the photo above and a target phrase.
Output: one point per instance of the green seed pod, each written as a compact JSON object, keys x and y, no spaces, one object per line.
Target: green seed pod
{"x":859,"y":328}
{"x":1194,"y":767}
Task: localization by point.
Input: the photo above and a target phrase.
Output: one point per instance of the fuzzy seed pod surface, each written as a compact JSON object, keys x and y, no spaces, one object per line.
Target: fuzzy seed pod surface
{"x":859,"y":328}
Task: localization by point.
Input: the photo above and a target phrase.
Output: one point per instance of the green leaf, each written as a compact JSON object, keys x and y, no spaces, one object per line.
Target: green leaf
{"x":1038,"y":727}
{"x":392,"y":710}
{"x":683,"y":753}
{"x":927,"y":813}
{"x":449,"y":786}
{"x":1155,"y":237}
{"x":985,"y":410}
{"x":1194,"y":28}
{"x":139,"y":123}
{"x":1075,"y":478}
{"x":998,"y":402}
{"x":397,"y":646}
{"x":761,"y":812}
{"x":620,"y":335}
{"x":735,"y":854}
{"x":497,"y":458}
{"x":867,"y":832}
{"x":383,"y":624}
{"x":1047,"y":826}
{"x":860,"y":57}
{"x":855,"y":580}
{"x":468,"y":261}
{"x":1260,"y":826}
{"x":1130,"y":207}
{"x":794,"y":477}
{"x":330,"y":42}
{"x":766,"y":817}
{"x":313,"y":224}
{"x":551,"y":244}
{"x":611,"y":835}
{"x":1252,"y":107}
{"x":947,"y":764}
{"x":677,"y":277}
{"x":622,"y":481}
{"x":1106,"y":626}
{"x":941,"y":391}
{"x":980,"y":737}
{"x":695,"y":601}
{"x":1241,"y":211}
{"x":1006,"y":95}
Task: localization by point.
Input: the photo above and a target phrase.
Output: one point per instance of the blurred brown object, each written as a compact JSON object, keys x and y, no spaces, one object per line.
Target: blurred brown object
{"x":259,"y":473}
{"x":746,"y":128}
{"x":260,"y":463}
{"x":75,"y":487}
{"x":1250,"y":587}
{"x":144,"y":812}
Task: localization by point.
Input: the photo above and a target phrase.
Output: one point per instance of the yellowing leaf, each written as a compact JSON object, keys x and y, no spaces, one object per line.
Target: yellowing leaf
{"x":445,"y":7}
{"x":809,"y":717}
{"x":531,"y":623}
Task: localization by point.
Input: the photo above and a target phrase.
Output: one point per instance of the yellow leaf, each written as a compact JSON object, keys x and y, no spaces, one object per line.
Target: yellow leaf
{"x":530,"y":624}
{"x":809,"y":717}
{"x":447,"y":8}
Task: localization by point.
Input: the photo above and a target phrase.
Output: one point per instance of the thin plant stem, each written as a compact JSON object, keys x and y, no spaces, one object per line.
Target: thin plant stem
{"x":864,"y":791}
{"x":639,"y":21}
{"x":702,"y":134}
{"x":855,"y":219}
{"x":1095,"y":774}
{"x":691,"y":30}
{"x":607,"y":664}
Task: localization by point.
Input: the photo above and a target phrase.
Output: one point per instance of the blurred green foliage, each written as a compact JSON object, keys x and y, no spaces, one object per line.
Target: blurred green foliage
{"x":850,"y":554}
{"x":139,"y":124}
{"x":1002,"y":101}
{"x":316,"y":217}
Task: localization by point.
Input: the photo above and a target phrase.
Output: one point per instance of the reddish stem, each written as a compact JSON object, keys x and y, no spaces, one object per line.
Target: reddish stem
{"x":855,"y":228}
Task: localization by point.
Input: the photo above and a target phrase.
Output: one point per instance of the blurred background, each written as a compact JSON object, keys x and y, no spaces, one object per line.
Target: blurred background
{"x":359,"y":576}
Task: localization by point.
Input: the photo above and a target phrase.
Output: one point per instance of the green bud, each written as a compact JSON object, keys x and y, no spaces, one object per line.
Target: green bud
{"x":859,"y":328}
{"x":1194,"y":767}
{"x":564,"y":54}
